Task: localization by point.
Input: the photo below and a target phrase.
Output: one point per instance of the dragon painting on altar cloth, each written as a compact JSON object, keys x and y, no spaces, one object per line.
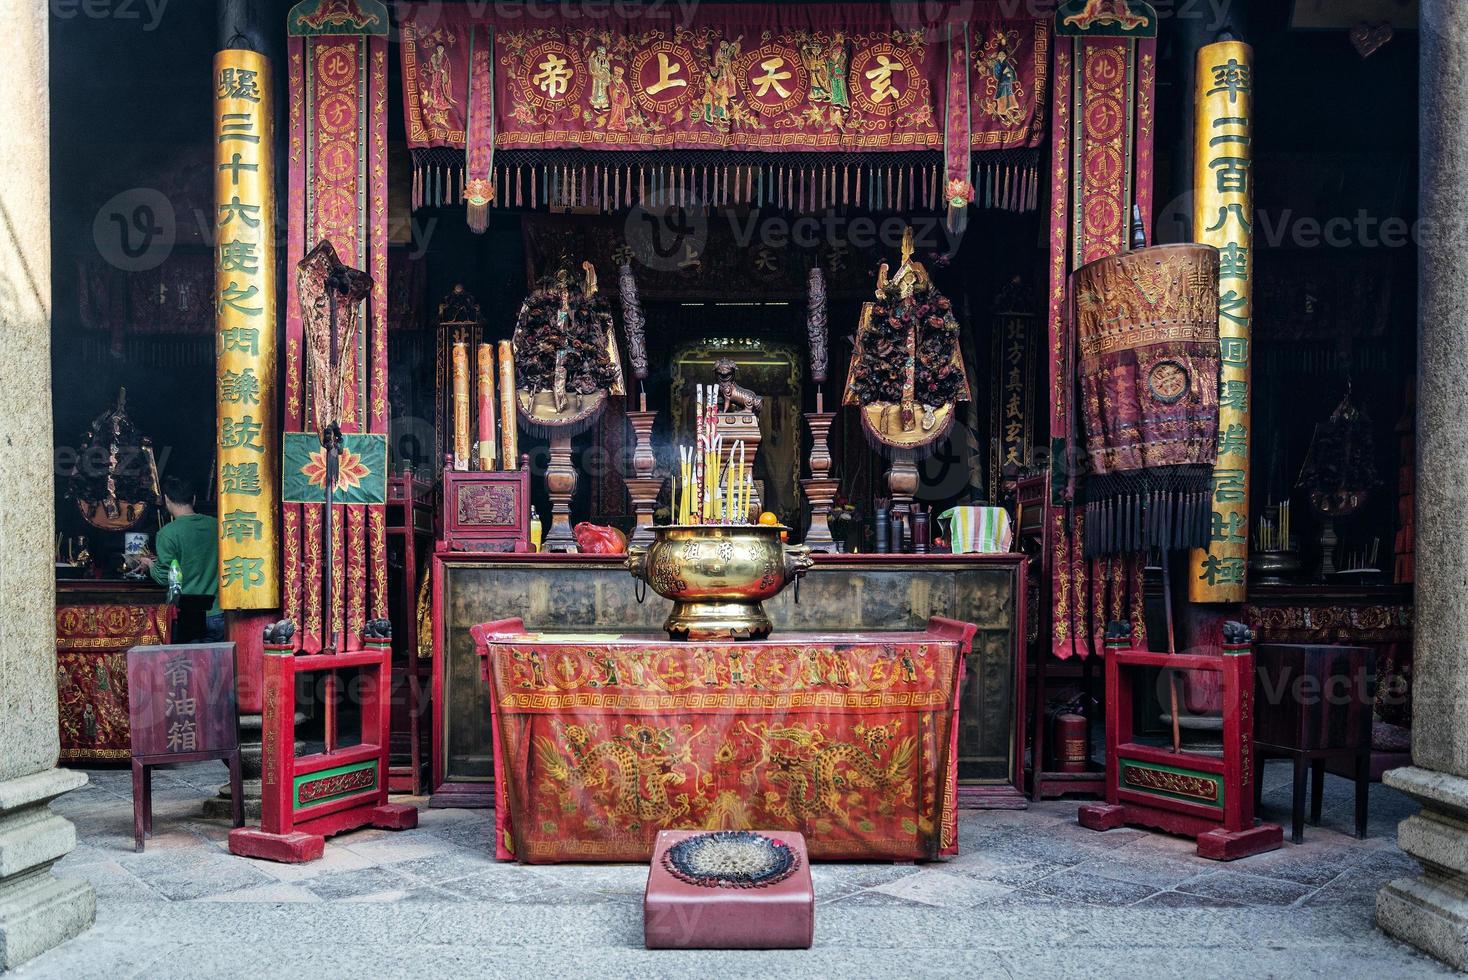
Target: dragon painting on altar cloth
{"x":849,"y":740}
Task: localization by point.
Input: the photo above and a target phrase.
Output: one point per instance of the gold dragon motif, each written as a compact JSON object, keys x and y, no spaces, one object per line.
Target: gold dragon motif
{"x":640,"y":765}
{"x":817,"y":774}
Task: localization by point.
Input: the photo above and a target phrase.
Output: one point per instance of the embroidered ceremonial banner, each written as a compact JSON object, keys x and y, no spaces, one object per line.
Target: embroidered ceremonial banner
{"x":1223,"y":215}
{"x":1105,"y":64}
{"x":244,"y":198}
{"x":1013,"y":355}
{"x":775,"y":77}
{"x":361,"y":469}
{"x":1009,"y":83}
{"x":602,"y":741}
{"x":338,"y":193}
{"x":92,"y":640}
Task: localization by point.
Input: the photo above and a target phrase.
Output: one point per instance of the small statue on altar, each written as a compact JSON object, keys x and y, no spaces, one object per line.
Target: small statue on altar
{"x":734,"y":397}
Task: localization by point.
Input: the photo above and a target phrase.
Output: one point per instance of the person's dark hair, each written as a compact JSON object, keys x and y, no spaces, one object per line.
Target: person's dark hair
{"x":179,"y":489}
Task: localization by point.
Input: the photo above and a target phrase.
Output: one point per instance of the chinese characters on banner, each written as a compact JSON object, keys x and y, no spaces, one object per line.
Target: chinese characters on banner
{"x":791,"y":77}
{"x":1223,"y":215}
{"x":1012,"y":401}
{"x":244,"y":271}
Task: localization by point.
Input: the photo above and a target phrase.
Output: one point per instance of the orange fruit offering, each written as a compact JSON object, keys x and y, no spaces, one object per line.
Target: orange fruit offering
{"x":768,"y":518}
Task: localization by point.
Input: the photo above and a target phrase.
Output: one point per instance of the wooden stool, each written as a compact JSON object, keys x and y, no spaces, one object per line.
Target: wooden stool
{"x":1313,"y":705}
{"x":687,"y":911}
{"x":181,"y":708}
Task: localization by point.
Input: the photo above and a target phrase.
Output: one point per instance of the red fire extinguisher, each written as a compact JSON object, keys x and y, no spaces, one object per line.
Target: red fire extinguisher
{"x":1069,"y":734}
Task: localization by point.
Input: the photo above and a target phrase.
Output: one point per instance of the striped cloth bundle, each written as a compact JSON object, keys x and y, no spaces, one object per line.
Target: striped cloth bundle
{"x":978,"y":530}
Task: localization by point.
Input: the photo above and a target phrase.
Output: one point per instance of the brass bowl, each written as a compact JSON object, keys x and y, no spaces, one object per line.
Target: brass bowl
{"x":717,"y":576}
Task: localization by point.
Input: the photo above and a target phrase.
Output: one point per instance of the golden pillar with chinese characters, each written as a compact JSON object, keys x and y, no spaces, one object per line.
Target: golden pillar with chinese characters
{"x":245,"y":324}
{"x":1223,"y":216}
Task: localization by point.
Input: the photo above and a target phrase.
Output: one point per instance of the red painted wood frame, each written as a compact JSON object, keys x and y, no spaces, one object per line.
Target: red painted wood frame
{"x":305,"y":799}
{"x":410,"y":522}
{"x":1185,"y":793}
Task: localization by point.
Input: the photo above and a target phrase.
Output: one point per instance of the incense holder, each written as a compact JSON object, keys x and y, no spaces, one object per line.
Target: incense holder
{"x":1274,"y":567}
{"x":718,"y":576}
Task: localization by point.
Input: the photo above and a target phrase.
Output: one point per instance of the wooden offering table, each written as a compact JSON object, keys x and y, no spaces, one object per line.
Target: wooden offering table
{"x":600,"y":741}
{"x":841,"y":594}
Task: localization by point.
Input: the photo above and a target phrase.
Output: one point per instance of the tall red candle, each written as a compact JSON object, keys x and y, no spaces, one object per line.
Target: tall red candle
{"x":485,"y":370}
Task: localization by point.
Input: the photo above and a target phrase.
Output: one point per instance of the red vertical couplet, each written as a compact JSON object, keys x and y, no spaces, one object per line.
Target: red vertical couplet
{"x":292,"y":520}
{"x":1057,"y":532}
{"x":377,"y":323}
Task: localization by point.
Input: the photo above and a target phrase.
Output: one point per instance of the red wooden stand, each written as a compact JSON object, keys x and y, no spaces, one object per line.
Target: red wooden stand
{"x":309,"y":798}
{"x":1185,"y":793}
{"x":410,"y":535}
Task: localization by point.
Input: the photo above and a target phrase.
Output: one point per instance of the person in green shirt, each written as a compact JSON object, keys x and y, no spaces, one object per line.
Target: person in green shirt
{"x":192,"y":540}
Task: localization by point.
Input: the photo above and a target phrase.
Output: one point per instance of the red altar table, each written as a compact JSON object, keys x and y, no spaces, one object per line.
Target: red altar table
{"x":602,"y":740}
{"x":97,"y":622}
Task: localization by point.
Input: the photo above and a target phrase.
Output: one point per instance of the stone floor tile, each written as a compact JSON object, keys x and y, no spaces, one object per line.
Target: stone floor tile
{"x":472,"y":833}
{"x":943,"y":890}
{"x":1185,"y":900}
{"x":354,"y":884}
{"x":836,"y":880}
{"x":111,"y":881}
{"x":335,"y":859}
{"x":278,"y":891}
{"x":1083,"y":888}
{"x":1246,"y":889}
{"x":388,"y":847}
{"x":217,"y":875}
{"x":445,"y":865}
{"x":1143,"y":867}
{"x":518,"y":885}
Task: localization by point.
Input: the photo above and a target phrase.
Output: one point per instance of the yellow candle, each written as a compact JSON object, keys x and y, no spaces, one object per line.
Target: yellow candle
{"x":509,"y":435}
{"x":461,"y":405}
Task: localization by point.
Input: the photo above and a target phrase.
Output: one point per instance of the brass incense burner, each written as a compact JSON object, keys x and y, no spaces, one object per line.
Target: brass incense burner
{"x":717,"y":576}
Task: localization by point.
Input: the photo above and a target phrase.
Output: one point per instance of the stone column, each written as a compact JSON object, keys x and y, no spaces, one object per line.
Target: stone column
{"x":37,"y":910}
{"x":1430,"y":910}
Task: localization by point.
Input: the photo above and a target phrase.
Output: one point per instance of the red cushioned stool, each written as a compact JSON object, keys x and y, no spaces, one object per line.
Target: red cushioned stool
{"x":729,"y":890}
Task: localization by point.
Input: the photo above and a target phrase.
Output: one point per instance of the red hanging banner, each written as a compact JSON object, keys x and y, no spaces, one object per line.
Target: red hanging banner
{"x":767,"y":77}
{"x":337,"y":65}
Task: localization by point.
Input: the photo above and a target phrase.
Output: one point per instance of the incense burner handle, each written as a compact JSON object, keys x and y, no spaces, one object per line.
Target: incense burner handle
{"x":797,"y":561}
{"x":637,"y":564}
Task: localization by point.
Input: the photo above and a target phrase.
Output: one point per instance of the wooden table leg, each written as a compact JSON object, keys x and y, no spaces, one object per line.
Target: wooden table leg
{"x":1317,"y":790}
{"x":147,"y":801}
{"x":1363,"y":790}
{"x":1297,"y":809}
{"x":140,"y":802}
